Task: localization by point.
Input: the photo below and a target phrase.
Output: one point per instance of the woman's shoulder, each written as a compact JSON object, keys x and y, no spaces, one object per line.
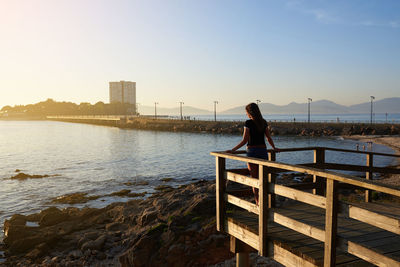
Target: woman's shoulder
{"x":248,"y":123}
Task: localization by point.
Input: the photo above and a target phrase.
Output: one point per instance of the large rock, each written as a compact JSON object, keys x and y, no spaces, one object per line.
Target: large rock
{"x":52,"y":216}
{"x":140,"y":253}
{"x":149,"y":215}
{"x":94,"y":245}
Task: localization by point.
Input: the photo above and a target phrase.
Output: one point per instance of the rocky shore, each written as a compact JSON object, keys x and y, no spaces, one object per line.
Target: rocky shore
{"x":175,"y":227}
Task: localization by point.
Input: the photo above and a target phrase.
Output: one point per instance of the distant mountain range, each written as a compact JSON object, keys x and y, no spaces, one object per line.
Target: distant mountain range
{"x":387,"y":105}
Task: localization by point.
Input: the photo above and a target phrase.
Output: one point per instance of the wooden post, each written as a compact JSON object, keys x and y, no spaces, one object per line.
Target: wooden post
{"x":271,"y":179}
{"x":242,"y":259}
{"x":319,"y":158}
{"x":331,"y":222}
{"x":263,"y":211}
{"x":220,"y":191}
{"x":368,"y":175}
{"x":242,"y":251}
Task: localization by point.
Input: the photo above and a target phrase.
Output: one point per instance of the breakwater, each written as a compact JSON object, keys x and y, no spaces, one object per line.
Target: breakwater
{"x":235,"y":127}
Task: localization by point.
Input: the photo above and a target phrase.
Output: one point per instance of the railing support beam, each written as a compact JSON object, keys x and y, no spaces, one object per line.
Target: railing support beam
{"x":220,"y":192}
{"x":319,"y":158}
{"x":263,"y":210}
{"x":331,"y":222}
{"x":242,"y":251}
{"x":271,"y":180}
{"x":368,"y":175}
{"x":242,"y":259}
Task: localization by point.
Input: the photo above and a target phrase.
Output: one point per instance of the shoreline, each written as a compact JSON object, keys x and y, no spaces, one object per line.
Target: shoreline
{"x":390,"y":141}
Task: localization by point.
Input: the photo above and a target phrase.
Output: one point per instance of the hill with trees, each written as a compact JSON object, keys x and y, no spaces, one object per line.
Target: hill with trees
{"x":51,"y":107}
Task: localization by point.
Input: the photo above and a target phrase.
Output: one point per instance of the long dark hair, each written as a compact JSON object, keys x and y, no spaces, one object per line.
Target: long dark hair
{"x":255,"y":114}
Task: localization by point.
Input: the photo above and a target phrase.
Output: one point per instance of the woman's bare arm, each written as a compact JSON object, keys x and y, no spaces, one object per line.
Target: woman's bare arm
{"x":270,"y":141}
{"x":245,"y":139}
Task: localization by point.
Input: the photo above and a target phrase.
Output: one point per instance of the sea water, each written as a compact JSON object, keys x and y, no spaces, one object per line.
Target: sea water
{"x":99,"y":160}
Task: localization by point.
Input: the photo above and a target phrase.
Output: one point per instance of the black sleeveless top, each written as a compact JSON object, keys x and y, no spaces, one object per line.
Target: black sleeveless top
{"x":256,"y":136}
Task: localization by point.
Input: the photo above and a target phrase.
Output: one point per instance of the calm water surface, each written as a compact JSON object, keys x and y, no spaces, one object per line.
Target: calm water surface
{"x":99,"y":160}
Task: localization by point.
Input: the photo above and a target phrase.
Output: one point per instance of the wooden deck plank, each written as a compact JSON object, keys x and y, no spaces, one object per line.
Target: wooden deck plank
{"x":356,"y":263}
{"x":370,"y":237}
{"x":364,"y":236}
{"x":391,"y":245}
{"x":345,"y":259}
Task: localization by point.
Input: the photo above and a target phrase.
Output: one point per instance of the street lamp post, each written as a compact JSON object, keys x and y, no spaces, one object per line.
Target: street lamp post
{"x":155,"y":109}
{"x":181,"y":103}
{"x":137,"y":108}
{"x":372,"y":99}
{"x":215,"y":110}
{"x":309,"y":104}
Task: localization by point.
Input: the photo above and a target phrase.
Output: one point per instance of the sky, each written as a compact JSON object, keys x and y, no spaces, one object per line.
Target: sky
{"x":200,"y":51}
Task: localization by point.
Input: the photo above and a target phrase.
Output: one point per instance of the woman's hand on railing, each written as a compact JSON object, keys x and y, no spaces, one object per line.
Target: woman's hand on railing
{"x":229,"y":151}
{"x":277,"y":150}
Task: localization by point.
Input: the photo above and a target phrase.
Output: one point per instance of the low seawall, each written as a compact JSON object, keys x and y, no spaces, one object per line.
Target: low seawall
{"x":236,"y":127}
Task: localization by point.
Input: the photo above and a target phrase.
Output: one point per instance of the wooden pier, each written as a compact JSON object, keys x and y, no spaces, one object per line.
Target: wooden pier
{"x":313,"y":227}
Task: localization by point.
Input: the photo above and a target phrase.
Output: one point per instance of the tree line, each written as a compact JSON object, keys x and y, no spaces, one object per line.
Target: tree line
{"x":51,"y":107}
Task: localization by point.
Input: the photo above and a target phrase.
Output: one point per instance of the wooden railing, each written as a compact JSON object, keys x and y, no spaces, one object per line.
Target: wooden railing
{"x":324,"y":180}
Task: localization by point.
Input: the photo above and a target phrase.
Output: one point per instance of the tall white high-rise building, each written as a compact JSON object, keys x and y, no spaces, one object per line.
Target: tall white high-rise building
{"x":123,"y":92}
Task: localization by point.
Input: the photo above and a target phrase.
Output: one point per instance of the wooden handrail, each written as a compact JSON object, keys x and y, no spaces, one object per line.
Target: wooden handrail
{"x":351,"y":167}
{"x":326,"y":148}
{"x":343,"y":178}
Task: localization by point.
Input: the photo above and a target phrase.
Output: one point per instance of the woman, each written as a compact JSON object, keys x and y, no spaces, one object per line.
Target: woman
{"x":253,"y":135}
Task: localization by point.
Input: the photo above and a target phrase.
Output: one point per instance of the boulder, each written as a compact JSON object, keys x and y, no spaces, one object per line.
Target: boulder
{"x":149,"y":215}
{"x":94,"y":245}
{"x":52,"y":216}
